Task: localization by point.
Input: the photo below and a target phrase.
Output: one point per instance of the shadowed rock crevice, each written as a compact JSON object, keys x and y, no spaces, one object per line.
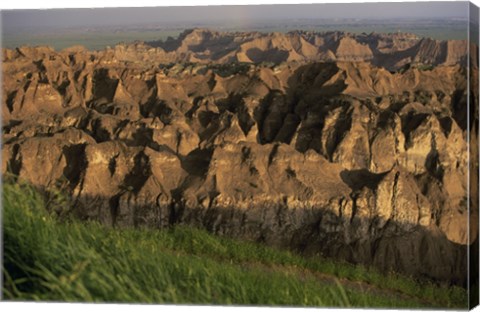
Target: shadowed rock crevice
{"x":76,"y":163}
{"x":460,"y":108}
{"x":197,"y":161}
{"x":273,"y":55}
{"x":9,"y":100}
{"x":14,"y":164}
{"x":358,"y":179}
{"x":103,"y":89}
{"x":137,"y":177}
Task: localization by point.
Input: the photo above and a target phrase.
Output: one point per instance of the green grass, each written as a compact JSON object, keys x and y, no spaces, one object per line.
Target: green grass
{"x":49,"y":260}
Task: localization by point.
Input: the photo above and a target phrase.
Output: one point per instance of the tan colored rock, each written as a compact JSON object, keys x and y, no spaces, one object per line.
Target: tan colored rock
{"x":351,"y":157}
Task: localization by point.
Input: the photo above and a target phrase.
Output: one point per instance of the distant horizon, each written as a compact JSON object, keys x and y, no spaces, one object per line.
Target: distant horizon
{"x":266,"y":21}
{"x":99,"y":39}
{"x":101,"y":27}
{"x":244,"y":14}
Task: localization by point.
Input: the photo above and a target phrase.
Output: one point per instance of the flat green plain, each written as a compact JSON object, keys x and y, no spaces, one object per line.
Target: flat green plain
{"x":99,"y":38}
{"x":96,"y":40}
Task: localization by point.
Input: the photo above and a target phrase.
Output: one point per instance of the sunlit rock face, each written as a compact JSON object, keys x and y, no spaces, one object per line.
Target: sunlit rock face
{"x":350,"y":146}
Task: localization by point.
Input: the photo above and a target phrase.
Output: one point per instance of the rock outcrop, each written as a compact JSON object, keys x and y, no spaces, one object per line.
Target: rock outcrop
{"x":362,"y":156}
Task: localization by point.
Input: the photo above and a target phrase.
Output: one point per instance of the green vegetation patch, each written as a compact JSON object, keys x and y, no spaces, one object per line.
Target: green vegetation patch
{"x":229,"y":69}
{"x":45,"y":259}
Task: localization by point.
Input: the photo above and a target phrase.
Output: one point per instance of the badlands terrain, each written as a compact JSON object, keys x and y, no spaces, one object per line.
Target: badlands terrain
{"x":349,"y":146}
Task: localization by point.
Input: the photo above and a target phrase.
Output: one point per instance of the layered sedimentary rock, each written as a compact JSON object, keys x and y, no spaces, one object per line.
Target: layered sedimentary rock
{"x":390,"y":51}
{"x":349,"y":146}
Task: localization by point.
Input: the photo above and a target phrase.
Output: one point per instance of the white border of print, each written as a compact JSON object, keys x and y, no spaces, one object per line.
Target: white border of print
{"x":48,"y":4}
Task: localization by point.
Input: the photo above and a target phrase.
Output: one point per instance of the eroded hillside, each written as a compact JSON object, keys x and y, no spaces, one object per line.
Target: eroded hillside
{"x":351,"y":146}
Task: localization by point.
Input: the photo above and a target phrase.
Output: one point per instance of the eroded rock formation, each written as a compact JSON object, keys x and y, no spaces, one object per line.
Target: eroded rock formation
{"x":349,"y":146}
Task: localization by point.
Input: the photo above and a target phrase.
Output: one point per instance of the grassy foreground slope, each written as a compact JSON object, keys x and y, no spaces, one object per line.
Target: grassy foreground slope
{"x":48,"y":260}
